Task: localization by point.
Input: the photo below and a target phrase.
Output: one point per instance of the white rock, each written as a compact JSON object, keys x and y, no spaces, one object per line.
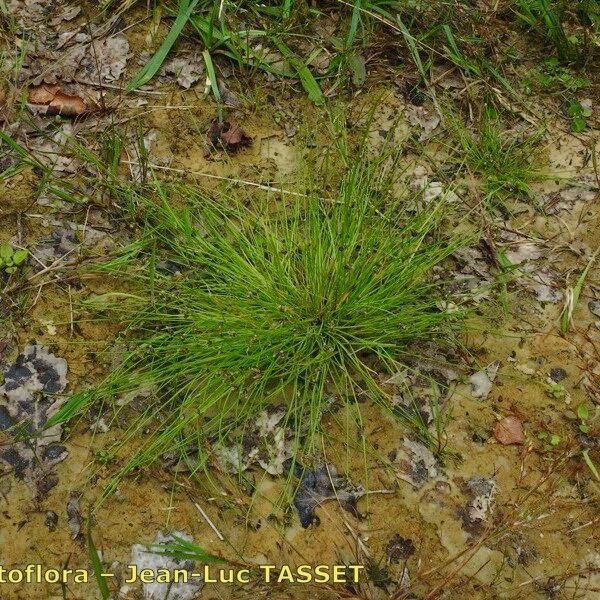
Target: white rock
{"x":481,"y":382}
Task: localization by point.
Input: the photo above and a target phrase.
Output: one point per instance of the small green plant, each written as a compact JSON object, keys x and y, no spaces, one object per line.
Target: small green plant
{"x":556,"y":74}
{"x":503,"y":160}
{"x":578,"y":115}
{"x":104,"y":457}
{"x":11,"y":259}
{"x":572,"y":296}
{"x":583,"y":414}
{"x":474,"y":64}
{"x":550,"y":440}
{"x":556,"y":391}
{"x":427,"y":421}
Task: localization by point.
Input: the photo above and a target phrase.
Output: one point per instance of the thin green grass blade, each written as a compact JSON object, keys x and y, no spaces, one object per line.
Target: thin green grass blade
{"x":184,"y":550}
{"x":573,"y":298}
{"x":26,"y":158}
{"x":96,"y":563}
{"x":590,"y":464}
{"x":186,"y":7}
{"x":212,"y":75}
{"x":414,"y":50}
{"x":309,"y":83}
{"x":354,"y":21}
{"x":286,"y":10}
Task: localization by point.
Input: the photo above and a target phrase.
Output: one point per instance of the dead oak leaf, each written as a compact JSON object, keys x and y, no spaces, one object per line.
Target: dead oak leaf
{"x":227,"y":135}
{"x":56,"y":102}
{"x":321,"y":485}
{"x":112,"y":55}
{"x":235,"y":136}
{"x":509,"y":430}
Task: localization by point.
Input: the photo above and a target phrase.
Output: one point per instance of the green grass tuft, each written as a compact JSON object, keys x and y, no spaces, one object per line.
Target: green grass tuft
{"x":503,"y":160}
{"x":261,"y":306}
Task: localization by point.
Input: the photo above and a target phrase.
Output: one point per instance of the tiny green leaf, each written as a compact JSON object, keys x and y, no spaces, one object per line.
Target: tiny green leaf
{"x":583,"y":412}
{"x":19,"y":257}
{"x":6,"y":251}
{"x":578,"y":124}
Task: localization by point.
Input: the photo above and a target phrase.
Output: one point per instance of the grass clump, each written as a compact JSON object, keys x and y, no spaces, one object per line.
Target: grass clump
{"x":234,"y":308}
{"x":503,"y":160}
{"x":548,"y":18}
{"x":570,"y":27}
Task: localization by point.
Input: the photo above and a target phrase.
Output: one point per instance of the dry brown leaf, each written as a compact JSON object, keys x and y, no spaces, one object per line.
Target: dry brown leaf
{"x":111,"y":57}
{"x":227,"y":135}
{"x":235,"y":136}
{"x":509,"y":430}
{"x":57,"y":101}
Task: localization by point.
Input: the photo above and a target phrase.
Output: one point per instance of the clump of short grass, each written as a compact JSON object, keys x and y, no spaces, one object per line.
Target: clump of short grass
{"x":503,"y":160}
{"x":547,"y":17}
{"x":232,"y":308}
{"x":567,"y":26}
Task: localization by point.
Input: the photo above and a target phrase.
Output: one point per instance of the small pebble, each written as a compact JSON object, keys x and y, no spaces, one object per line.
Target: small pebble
{"x":51,"y":520}
{"x":586,"y":441}
{"x":594,"y":306}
